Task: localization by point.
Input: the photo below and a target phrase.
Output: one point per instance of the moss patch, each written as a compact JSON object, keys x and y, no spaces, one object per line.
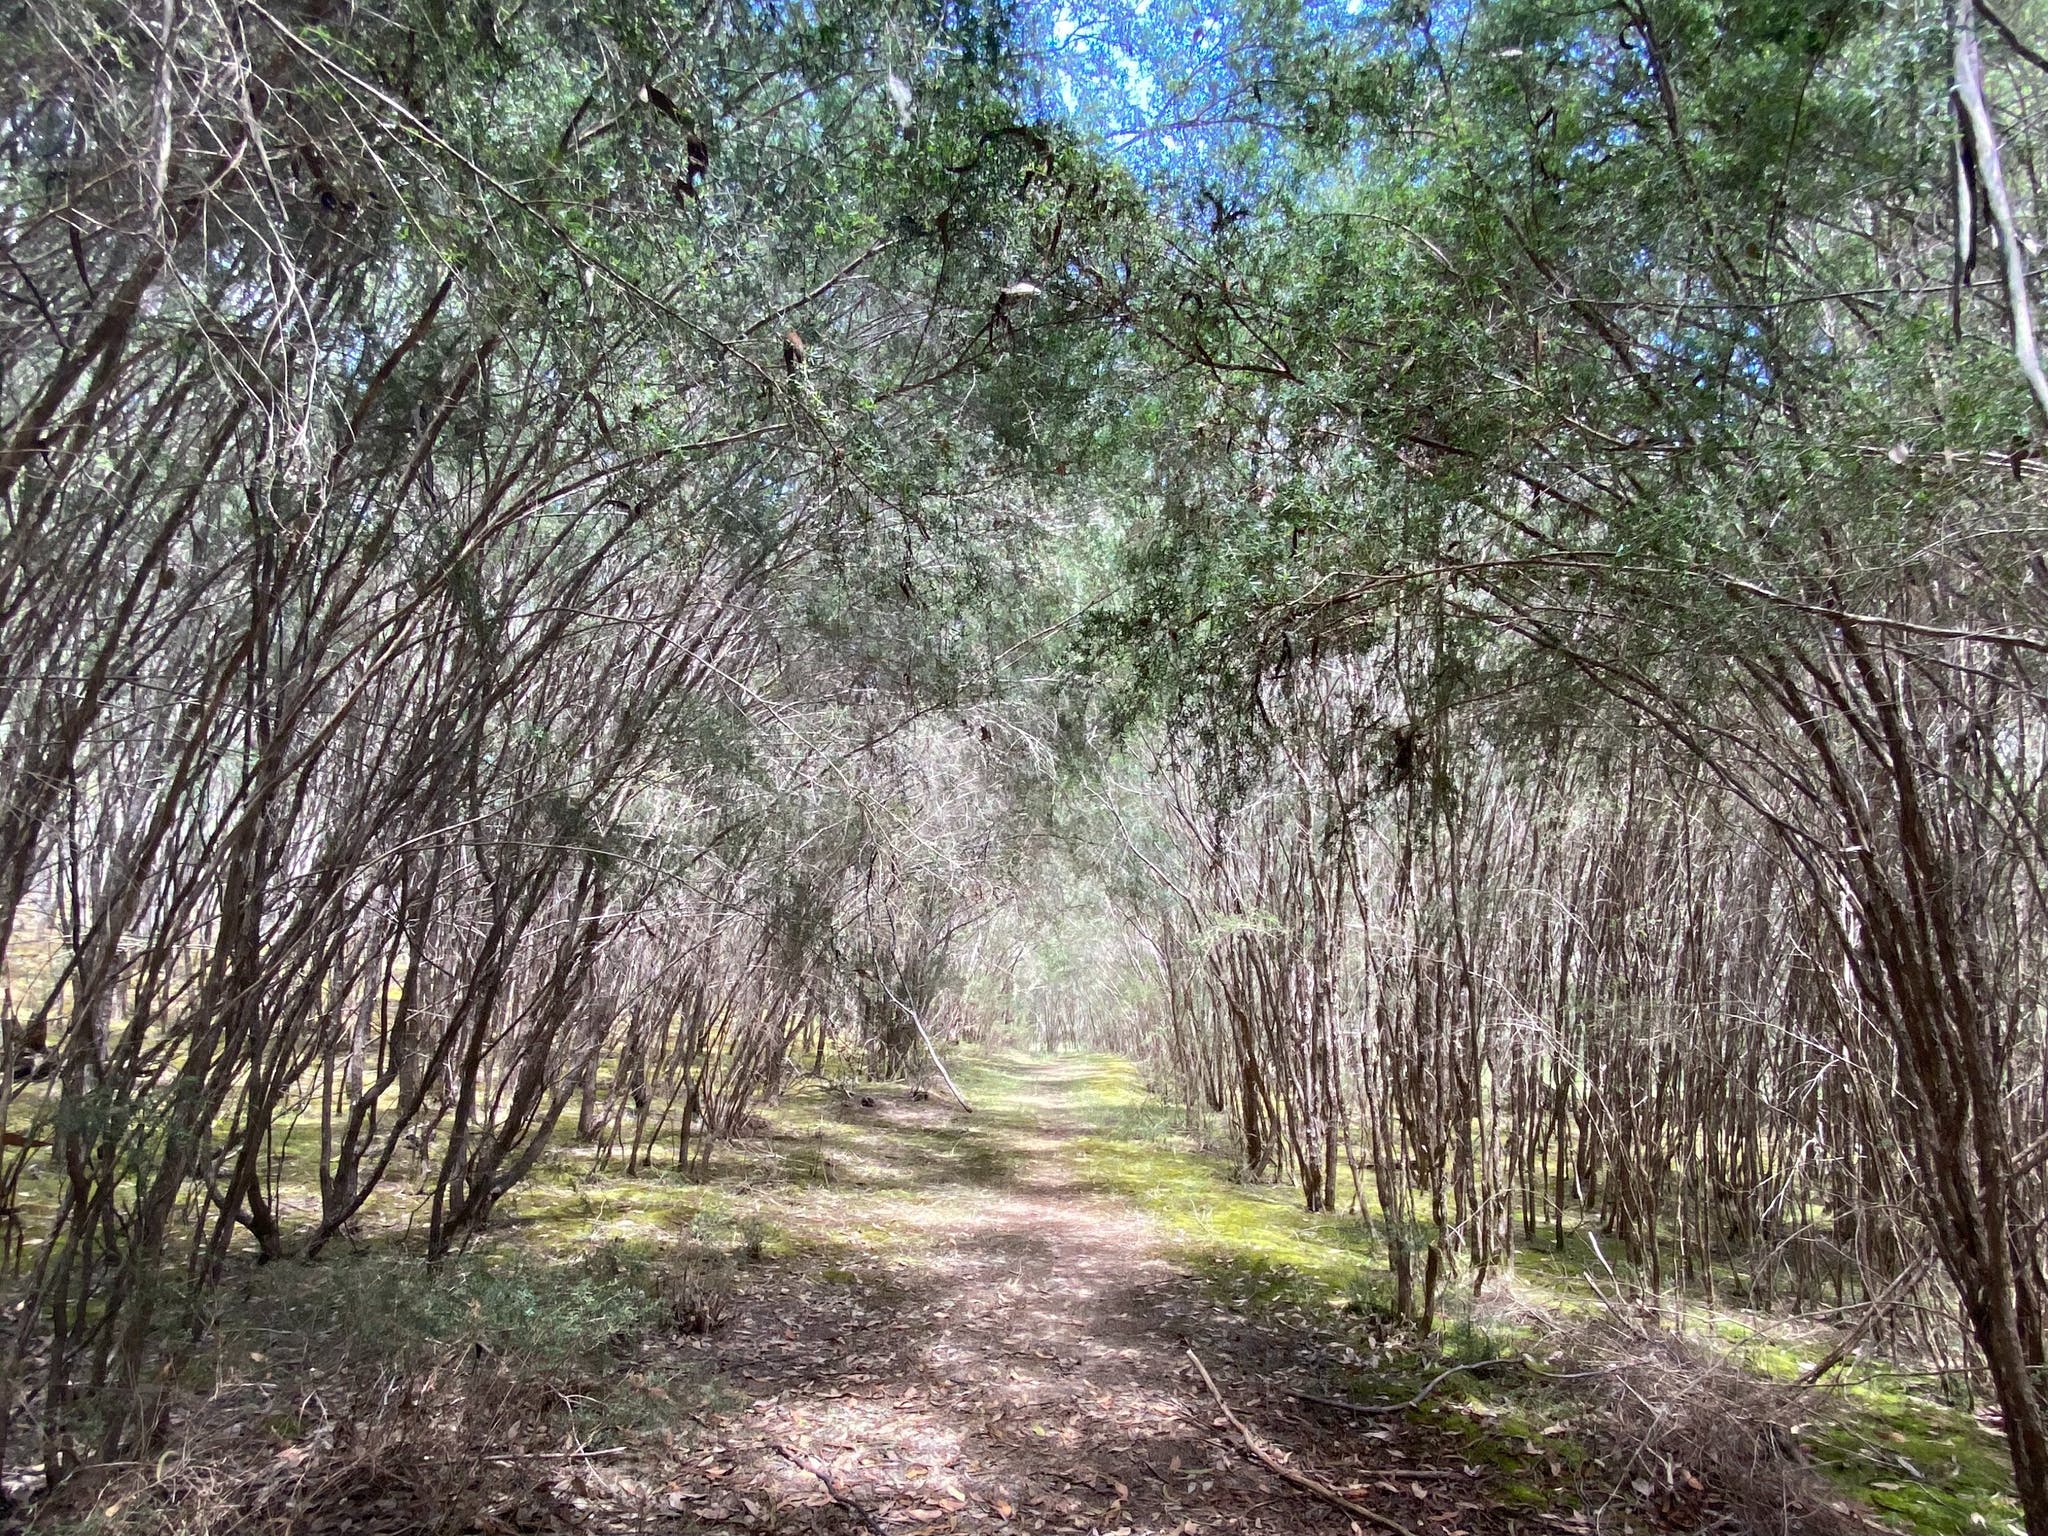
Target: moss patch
{"x":1923,"y":1466}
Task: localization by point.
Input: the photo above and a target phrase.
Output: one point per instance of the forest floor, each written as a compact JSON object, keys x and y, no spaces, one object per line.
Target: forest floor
{"x":884,"y":1315}
{"x":1014,"y":1353}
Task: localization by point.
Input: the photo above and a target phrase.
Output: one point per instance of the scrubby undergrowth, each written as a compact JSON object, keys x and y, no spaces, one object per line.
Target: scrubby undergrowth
{"x":889,"y":1280}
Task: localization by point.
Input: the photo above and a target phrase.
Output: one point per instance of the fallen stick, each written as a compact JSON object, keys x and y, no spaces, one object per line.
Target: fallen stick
{"x":931,"y":1050}
{"x":1587,"y":1375}
{"x":518,"y":1456}
{"x":1879,"y":1309}
{"x":944,"y":1076}
{"x":843,"y":1499}
{"x":1287,"y":1474}
{"x":1414,"y":1402}
{"x":1413,"y":1474}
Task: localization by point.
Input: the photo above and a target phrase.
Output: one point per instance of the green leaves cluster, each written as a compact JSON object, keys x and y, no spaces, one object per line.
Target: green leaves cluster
{"x":1559,"y":320}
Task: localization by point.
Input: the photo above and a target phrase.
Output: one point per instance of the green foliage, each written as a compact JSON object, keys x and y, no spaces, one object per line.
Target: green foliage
{"x":1575,"y":312}
{"x":542,"y":1314}
{"x":1932,"y":1468}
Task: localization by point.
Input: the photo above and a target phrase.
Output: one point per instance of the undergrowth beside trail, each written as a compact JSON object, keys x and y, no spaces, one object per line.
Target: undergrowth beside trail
{"x":568,"y":1326}
{"x":1923,"y":1465}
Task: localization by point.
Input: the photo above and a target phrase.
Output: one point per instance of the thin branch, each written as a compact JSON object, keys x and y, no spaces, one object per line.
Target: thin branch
{"x":1289,"y":1474}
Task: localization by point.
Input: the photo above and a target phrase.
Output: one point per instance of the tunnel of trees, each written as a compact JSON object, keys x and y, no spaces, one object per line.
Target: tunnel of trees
{"x":1468,"y":583}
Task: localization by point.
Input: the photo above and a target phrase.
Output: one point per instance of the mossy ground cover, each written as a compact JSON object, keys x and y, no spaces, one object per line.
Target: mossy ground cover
{"x":569,"y":1293}
{"x":1925,"y":1466}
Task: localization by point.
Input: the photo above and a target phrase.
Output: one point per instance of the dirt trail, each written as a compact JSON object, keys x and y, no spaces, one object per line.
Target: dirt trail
{"x":1012,"y":1357}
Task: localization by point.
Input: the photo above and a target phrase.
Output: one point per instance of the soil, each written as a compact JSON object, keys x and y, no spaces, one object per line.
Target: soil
{"x":1013,"y":1355}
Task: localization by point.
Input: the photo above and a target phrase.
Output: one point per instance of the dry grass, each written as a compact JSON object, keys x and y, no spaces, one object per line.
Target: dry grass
{"x":387,"y":1455}
{"x":389,"y":1400}
{"x":1704,"y":1442}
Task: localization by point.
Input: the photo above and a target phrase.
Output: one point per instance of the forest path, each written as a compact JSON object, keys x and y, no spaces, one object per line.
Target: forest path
{"x":981,"y":1340}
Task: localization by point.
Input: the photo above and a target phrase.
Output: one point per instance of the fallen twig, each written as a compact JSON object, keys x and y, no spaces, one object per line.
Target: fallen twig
{"x":922,"y":1034}
{"x":516,"y":1456}
{"x":1289,"y":1474}
{"x":1414,"y":1402}
{"x":840,"y":1496}
{"x":1415,"y":1474}
{"x":1880,"y":1307}
{"x":1587,"y":1375}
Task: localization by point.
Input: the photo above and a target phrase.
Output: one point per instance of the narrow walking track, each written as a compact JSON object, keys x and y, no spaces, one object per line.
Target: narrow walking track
{"x":992,"y":1347}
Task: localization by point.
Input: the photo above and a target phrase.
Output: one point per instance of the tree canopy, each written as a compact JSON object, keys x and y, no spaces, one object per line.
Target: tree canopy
{"x":1466,"y":581}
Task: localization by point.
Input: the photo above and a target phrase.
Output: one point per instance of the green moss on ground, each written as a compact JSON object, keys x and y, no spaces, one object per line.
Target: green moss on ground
{"x":1924,"y":1466}
{"x":571,"y":1275}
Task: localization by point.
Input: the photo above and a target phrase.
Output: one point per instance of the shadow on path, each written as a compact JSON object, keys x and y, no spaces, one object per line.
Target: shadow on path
{"x":1013,"y":1358}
